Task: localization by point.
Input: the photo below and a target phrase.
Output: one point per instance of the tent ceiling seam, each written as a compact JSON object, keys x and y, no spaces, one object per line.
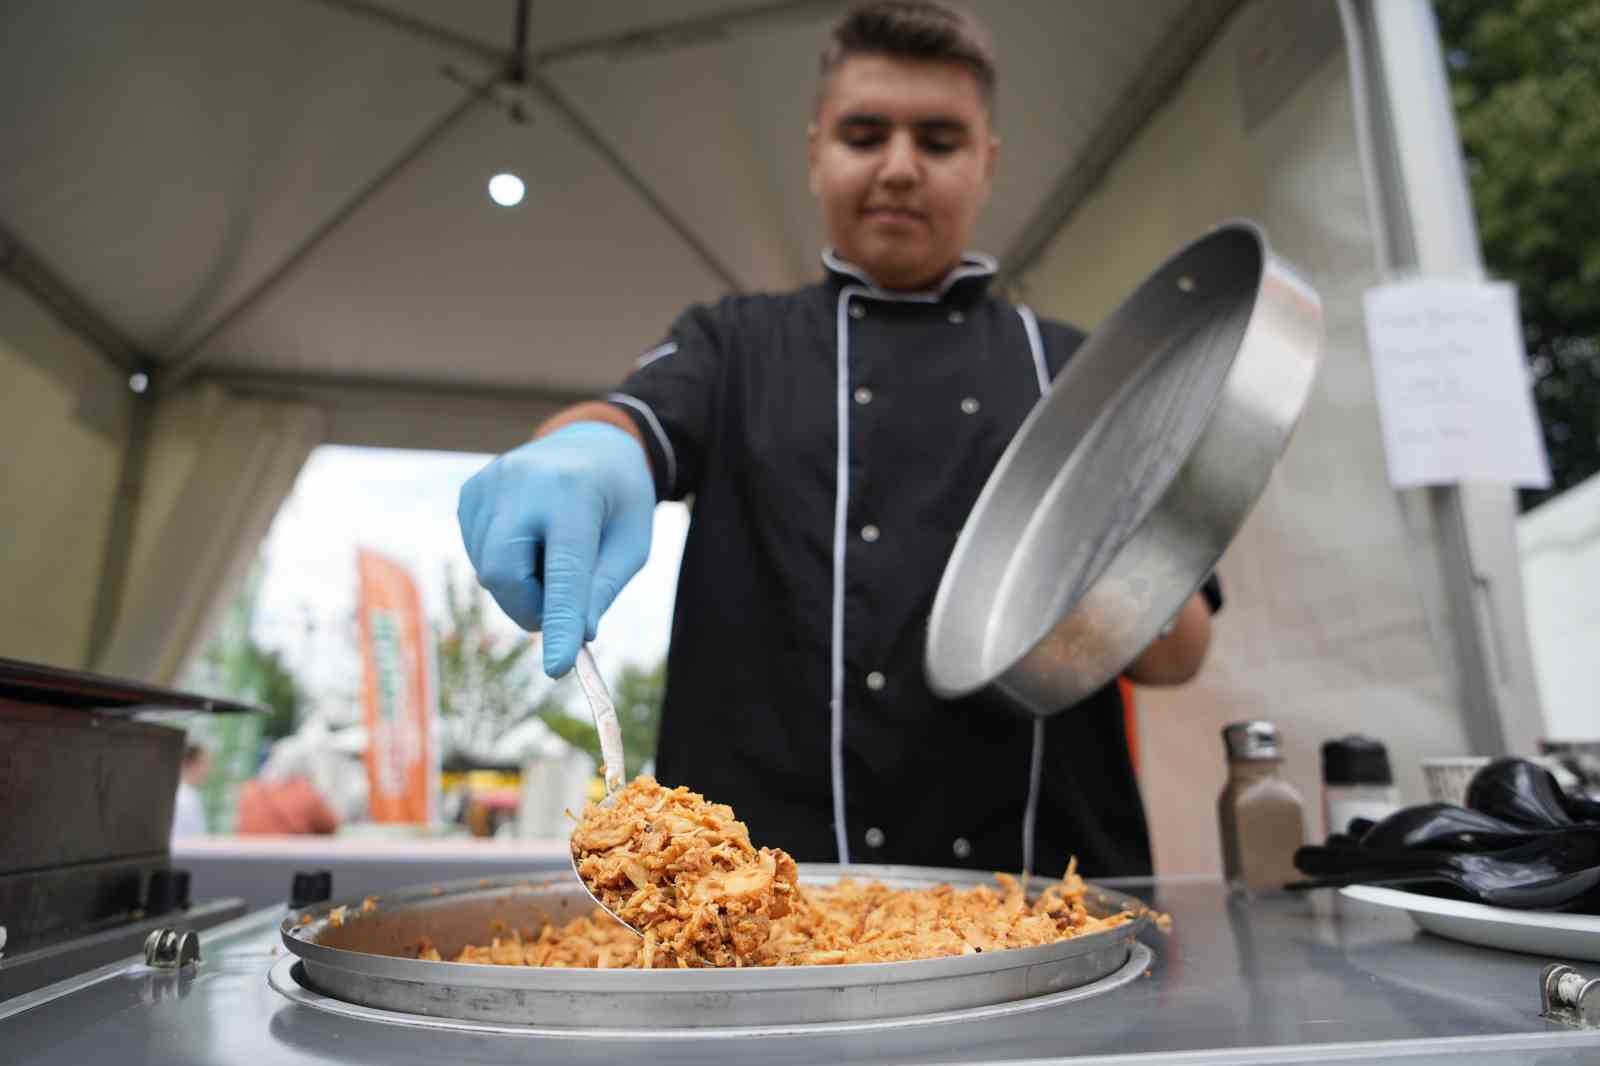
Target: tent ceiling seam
{"x":1162,"y":77}
{"x":530,"y":74}
{"x":661,"y":37}
{"x":182,"y":365}
{"x":356,"y":390}
{"x":34,"y":276}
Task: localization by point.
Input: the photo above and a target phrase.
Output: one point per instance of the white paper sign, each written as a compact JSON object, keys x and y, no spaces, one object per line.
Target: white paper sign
{"x":1454,"y":396}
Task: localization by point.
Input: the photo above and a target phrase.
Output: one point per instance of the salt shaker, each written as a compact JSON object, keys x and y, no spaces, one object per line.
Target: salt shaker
{"x":1259,"y":813}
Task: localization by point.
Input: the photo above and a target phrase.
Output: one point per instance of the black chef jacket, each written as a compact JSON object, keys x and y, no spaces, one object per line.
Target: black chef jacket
{"x":834,"y":440}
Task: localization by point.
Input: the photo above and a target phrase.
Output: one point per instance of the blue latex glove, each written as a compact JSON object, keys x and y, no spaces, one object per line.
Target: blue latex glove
{"x":557,"y":527}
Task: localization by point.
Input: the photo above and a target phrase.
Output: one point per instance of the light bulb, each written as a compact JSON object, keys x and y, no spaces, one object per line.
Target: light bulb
{"x":506,"y":190}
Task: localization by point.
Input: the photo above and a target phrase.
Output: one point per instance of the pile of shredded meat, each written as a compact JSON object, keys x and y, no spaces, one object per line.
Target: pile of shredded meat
{"x":683,"y":871}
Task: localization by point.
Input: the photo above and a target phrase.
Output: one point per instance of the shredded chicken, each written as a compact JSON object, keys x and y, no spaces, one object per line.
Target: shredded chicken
{"x":684,"y":872}
{"x":848,"y":922}
{"x":589,"y":942}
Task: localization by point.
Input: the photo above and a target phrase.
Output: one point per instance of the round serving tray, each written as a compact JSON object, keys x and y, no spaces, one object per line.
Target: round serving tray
{"x":365,"y":962}
{"x":287,"y":977}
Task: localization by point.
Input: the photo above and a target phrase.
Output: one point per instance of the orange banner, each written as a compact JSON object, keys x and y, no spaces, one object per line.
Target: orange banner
{"x":396,"y":692}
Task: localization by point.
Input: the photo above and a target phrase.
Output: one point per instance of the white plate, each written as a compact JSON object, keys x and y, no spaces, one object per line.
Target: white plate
{"x":1547,"y":933}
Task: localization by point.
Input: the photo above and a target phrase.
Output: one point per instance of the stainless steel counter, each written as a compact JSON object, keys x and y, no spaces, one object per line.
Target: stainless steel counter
{"x":1273,"y":980}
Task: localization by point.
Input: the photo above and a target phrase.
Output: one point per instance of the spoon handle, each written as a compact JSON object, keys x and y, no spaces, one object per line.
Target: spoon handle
{"x":605,"y":718}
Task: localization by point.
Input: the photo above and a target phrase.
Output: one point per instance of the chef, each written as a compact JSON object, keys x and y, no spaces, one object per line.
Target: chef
{"x":833,"y":440}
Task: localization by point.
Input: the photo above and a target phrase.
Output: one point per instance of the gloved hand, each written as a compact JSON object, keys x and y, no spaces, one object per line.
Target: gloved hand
{"x":556,"y":527}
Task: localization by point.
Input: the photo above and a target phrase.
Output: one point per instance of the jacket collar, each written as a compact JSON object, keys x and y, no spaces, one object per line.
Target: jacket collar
{"x":965,"y":285}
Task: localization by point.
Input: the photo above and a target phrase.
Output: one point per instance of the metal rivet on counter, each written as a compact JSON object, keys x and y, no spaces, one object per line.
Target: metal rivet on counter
{"x":857,"y":311}
{"x":969,"y":406}
{"x":962,"y":848}
{"x":1569,"y":998}
{"x":874,"y":837}
{"x":956,"y":318}
{"x":863,"y":396}
{"x":875,"y":681}
{"x":869,"y":533}
{"x":168,"y":949}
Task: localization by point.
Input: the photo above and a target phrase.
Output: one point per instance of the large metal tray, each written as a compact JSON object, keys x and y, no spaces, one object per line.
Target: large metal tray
{"x":365,"y":961}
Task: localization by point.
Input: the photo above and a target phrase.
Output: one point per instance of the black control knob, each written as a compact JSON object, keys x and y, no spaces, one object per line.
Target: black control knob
{"x":310,"y":886}
{"x":168,"y":891}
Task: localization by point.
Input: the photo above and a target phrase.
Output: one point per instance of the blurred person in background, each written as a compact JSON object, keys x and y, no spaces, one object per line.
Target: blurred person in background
{"x":283,"y":806}
{"x":189,"y":812}
{"x":308,"y":785}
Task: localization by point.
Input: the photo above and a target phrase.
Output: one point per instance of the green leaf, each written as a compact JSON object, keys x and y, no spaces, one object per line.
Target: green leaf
{"x":1525,"y":84}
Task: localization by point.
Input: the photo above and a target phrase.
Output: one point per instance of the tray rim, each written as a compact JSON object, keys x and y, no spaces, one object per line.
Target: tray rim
{"x":281,"y":978}
{"x":301,"y":940}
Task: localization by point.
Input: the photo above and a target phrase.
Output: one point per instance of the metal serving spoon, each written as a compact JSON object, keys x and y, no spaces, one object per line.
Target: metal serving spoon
{"x":610,"y":732}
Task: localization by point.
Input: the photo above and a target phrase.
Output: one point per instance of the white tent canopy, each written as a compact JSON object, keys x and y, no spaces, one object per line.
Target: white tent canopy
{"x":271,"y":222}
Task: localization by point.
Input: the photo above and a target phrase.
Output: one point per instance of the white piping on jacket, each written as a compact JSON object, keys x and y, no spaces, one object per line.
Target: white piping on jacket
{"x":841,"y":510}
{"x":655,"y":427}
{"x":658,"y":352}
{"x":1030,"y":813}
{"x":973,"y":265}
{"x":1036,"y":346}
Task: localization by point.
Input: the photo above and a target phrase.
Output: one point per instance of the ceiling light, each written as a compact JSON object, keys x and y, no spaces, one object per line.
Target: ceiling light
{"x":506,"y":190}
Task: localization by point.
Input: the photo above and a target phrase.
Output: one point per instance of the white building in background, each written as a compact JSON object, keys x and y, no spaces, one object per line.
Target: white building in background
{"x":1560,"y":544}
{"x":555,"y":779}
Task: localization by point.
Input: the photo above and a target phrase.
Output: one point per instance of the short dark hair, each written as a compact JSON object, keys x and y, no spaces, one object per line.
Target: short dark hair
{"x":913,"y":29}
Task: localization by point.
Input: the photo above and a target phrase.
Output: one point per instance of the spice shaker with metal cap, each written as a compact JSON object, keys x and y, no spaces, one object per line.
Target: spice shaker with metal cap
{"x":1260,"y":814}
{"x":1356,"y":782}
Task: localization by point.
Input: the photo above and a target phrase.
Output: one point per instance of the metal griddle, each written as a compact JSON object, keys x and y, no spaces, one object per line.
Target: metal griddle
{"x":1282,"y":980}
{"x":365,"y":962}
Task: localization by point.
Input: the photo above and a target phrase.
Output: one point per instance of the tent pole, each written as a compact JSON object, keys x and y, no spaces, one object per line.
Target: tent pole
{"x":1424,"y":227}
{"x":120,"y":527}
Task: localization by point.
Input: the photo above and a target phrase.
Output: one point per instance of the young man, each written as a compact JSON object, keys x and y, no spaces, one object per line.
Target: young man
{"x":834,"y":440}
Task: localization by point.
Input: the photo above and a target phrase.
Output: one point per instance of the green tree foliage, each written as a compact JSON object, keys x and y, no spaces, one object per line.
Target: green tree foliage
{"x":637,"y":695}
{"x":490,"y":683}
{"x":1525,"y":76}
{"x":487,"y":685}
{"x":487,"y":680}
{"x":233,"y":664}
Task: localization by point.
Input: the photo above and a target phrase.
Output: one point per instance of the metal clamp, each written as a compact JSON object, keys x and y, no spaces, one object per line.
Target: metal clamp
{"x":168,"y":949}
{"x":1568,"y":997}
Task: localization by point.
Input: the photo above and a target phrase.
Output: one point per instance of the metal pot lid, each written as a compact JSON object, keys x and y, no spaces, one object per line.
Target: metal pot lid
{"x":1123,"y":487}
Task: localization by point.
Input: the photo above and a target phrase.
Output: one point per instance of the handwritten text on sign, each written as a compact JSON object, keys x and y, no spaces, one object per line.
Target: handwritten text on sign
{"x":1453,"y":390}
